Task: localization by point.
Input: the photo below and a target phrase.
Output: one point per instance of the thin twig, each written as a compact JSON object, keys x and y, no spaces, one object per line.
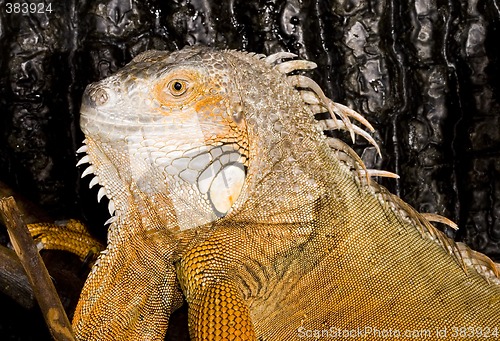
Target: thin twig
{"x":44,"y":289}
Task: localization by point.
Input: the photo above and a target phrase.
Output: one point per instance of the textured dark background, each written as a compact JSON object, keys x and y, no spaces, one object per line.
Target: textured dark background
{"x":425,"y":72}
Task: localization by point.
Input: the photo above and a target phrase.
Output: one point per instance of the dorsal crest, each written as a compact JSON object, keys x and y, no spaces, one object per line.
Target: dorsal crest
{"x":345,"y":119}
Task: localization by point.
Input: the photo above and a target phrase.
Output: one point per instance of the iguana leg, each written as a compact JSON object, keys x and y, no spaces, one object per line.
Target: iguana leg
{"x":131,"y":291}
{"x":72,"y":236}
{"x":217,"y":310}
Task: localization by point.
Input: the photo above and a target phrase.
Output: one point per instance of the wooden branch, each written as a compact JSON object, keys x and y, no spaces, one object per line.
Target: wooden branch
{"x":13,"y":280}
{"x":42,"y":285}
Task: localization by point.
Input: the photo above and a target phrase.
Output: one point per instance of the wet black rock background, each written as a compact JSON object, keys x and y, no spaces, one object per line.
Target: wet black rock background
{"x":425,"y":72}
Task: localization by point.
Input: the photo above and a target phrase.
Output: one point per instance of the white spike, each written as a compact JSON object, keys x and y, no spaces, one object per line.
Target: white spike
{"x":85,"y":159}
{"x":330,"y":124}
{"x":316,"y":105}
{"x":257,"y":55}
{"x":101,"y":193}
{"x":367,"y":137}
{"x":82,"y":149}
{"x":110,"y":220}
{"x":309,"y":97}
{"x":94,"y":181}
{"x":306,"y":82}
{"x":354,"y":114}
{"x":294,"y":65}
{"x":89,"y":170}
{"x":349,"y":127}
{"x":382,"y":173}
{"x":440,"y":219}
{"x":271,"y":59}
{"x":343,"y":147}
{"x":111,"y":207}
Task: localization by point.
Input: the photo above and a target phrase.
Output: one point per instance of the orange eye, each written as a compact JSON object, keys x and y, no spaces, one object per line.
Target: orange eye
{"x":177,"y":87}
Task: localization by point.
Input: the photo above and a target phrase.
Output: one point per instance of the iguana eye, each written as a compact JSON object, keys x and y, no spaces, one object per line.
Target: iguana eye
{"x":177,"y":87}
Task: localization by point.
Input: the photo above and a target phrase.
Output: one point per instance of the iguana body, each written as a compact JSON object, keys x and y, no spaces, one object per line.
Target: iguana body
{"x":225,"y":190}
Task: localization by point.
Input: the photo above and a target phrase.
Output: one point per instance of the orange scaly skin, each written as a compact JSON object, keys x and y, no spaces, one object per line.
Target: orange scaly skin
{"x":224,"y":190}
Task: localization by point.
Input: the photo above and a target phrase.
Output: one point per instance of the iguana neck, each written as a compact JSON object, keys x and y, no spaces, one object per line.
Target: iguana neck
{"x":286,"y":167}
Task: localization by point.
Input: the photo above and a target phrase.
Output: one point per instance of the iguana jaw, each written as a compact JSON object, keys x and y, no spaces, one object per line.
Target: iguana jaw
{"x":219,"y":181}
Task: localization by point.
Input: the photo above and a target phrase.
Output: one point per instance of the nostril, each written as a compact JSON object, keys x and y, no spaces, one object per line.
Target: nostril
{"x":95,"y":95}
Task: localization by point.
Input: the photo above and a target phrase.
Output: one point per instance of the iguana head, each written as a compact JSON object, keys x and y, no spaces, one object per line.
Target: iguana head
{"x":189,"y":136}
{"x":169,"y":126}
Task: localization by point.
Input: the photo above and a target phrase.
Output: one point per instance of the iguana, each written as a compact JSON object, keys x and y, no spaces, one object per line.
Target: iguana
{"x":225,"y":191}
